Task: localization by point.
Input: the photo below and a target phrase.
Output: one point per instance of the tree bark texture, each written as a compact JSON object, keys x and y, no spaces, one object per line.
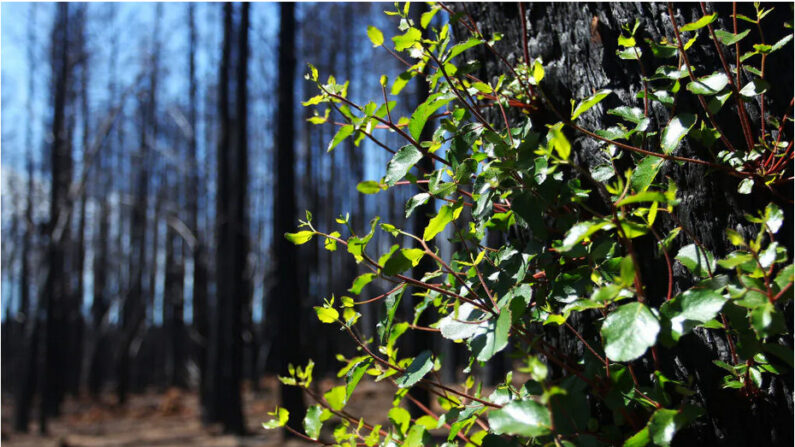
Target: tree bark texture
{"x":578,"y":43}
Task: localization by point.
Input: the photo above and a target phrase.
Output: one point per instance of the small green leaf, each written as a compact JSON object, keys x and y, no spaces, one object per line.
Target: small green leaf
{"x":375,"y":35}
{"x":344,"y":132}
{"x":361,"y":281}
{"x":700,"y":262}
{"x":767,"y":320}
{"x":589,"y":102}
{"x":419,"y":367}
{"x":326,"y":314}
{"x":400,"y":418}
{"x":407,"y":40}
{"x":354,"y":375}
{"x":463,"y":46}
{"x":300,"y":237}
{"x":755,"y":88}
{"x":521,"y":417}
{"x":437,"y":224}
{"x":646,"y":196}
{"x":369,"y":187}
{"x":414,"y":202}
{"x":462,"y":324}
{"x":645,"y":172}
{"x":631,"y":54}
{"x":401,"y":82}
{"x":427,"y":16}
{"x":482,"y":87}
{"x":629,"y":331}
{"x":336,"y":397}
{"x":631,"y":114}
{"x":780,"y":44}
{"x":559,"y":141}
{"x":582,"y":230}
{"x":709,"y":85}
{"x":492,"y":337}
{"x":700,"y":23}
{"x":282,"y":416}
{"x":676,"y":129}
{"x":424,"y":111}
{"x":406,"y":157}
{"x":746,"y":186}
{"x":312,"y":423}
{"x":687,"y":310}
{"x":728,"y":38}
{"x":626,"y":41}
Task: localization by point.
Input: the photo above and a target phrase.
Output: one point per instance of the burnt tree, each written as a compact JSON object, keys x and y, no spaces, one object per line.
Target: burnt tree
{"x":578,"y":44}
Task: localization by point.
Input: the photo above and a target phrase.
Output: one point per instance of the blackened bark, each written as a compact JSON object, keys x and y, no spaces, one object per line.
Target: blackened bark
{"x":226,"y":344}
{"x":284,"y":308}
{"x":578,"y":43}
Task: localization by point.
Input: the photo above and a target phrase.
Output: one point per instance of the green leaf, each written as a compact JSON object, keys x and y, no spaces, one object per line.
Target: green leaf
{"x":521,"y":417}
{"x":589,"y":102}
{"x":407,"y":40}
{"x":780,"y":44}
{"x":687,"y":310}
{"x":299,"y":238}
{"x":401,"y":82}
{"x":645,"y":196}
{"x":355,"y":375}
{"x":755,"y":88}
{"x":629,"y":331}
{"x":361,"y":281}
{"x":369,"y":187}
{"x":406,"y":157}
{"x":461,"y":325}
{"x":282,"y":416}
{"x":767,"y":320}
{"x":482,"y":87}
{"x":645,"y":172}
{"x":676,"y":129}
{"x":344,"y":132}
{"x":709,"y":85}
{"x":375,"y":35}
{"x":414,"y":255}
{"x":417,"y":437}
{"x":728,"y":38}
{"x":396,"y":264}
{"x":327,"y":314}
{"x":582,"y":230}
{"x":312,"y":423}
{"x":700,"y":23}
{"x":559,"y":141}
{"x":746,"y":186}
{"x":437,"y":224}
{"x":427,"y":16}
{"x":626,"y":41}
{"x":336,"y":397}
{"x":463,"y":46}
{"x":419,"y":367}
{"x":414,"y":202}
{"x":631,"y":114}
{"x":774,"y":217}
{"x":424,"y":111}
{"x":491,"y":338}
{"x":699,"y":262}
{"x":630,"y":54}
{"x":664,"y":424}
{"x":400,"y":418}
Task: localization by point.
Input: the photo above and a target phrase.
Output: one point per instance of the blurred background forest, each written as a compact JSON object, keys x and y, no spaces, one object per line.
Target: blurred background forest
{"x":152,"y":157}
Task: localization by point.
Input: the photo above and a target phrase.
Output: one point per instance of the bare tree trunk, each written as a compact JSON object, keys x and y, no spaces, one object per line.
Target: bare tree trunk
{"x":284,"y":305}
{"x":232,"y":229}
{"x":56,"y":289}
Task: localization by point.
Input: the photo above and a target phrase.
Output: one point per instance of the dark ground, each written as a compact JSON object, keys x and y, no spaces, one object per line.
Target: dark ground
{"x":171,"y":418}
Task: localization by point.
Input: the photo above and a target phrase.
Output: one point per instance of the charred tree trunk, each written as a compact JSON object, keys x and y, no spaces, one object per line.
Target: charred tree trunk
{"x":29,"y":322}
{"x":578,"y":43}
{"x":284,"y":304}
{"x":226,"y":344}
